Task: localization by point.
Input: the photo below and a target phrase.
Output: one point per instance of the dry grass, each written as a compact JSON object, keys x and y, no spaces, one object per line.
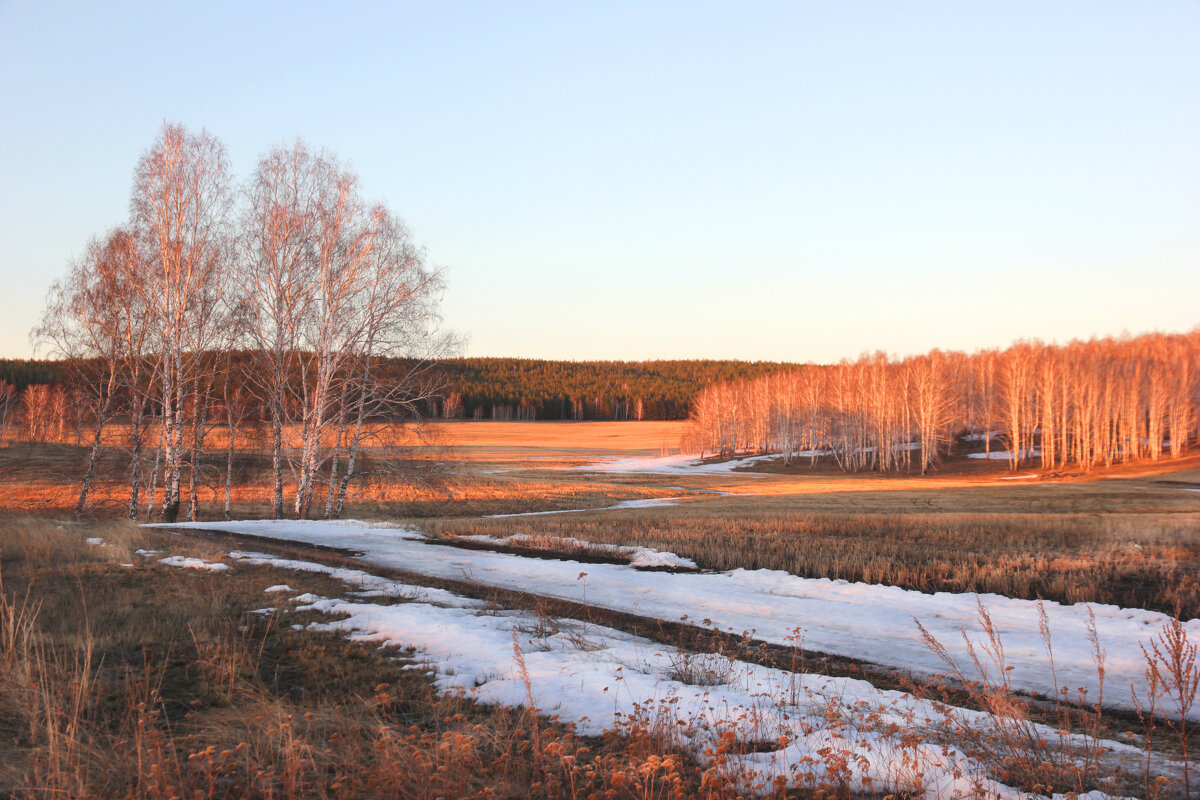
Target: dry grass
{"x":1063,"y":756}
{"x":469,"y":468}
{"x":482,"y":437}
{"x":580,"y":439}
{"x":148,"y":682}
{"x":1125,"y":540}
{"x":1018,"y":751}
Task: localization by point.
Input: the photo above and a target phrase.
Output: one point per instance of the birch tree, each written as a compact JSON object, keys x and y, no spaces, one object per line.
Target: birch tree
{"x":8,"y":400}
{"x":277,"y":278}
{"x":931,"y":400}
{"x":82,"y":324}
{"x":179,"y":207}
{"x":396,"y":318}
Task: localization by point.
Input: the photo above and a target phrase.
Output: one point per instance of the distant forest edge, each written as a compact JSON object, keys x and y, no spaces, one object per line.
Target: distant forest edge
{"x":530,"y":389}
{"x":1081,"y":404}
{"x":527,"y":389}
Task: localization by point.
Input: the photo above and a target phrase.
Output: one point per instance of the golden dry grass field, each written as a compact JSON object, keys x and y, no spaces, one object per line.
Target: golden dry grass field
{"x":1126,"y":535}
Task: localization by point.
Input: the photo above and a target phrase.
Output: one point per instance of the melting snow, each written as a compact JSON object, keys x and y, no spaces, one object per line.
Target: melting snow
{"x":1005,"y":455}
{"x":367,"y":583}
{"x":865,"y":621}
{"x":638,"y":556}
{"x":652,"y":502}
{"x":193,"y":563}
{"x":673,"y":465}
{"x":599,"y":679}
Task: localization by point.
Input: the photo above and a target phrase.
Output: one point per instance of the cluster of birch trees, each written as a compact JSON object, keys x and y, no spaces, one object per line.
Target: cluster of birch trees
{"x":1082,"y":404}
{"x":290,"y":271}
{"x":42,"y":411}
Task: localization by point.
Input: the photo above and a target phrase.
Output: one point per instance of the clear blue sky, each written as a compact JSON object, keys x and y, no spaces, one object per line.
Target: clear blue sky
{"x":791,"y":181}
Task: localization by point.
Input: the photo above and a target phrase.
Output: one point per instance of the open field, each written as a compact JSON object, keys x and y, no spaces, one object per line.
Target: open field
{"x":478,"y":440}
{"x":1126,"y":536}
{"x":554,"y":507}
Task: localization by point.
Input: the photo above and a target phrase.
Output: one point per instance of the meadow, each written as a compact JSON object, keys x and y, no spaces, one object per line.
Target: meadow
{"x":129,"y":677}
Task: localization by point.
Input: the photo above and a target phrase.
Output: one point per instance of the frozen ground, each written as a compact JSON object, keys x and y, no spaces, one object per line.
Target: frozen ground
{"x":874,"y":623}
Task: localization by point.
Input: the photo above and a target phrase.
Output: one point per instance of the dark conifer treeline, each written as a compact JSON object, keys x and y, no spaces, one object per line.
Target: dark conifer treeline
{"x":521,"y":388}
{"x":22,"y":372}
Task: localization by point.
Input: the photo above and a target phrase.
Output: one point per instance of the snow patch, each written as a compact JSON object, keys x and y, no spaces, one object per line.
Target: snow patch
{"x":1005,"y":455}
{"x":652,"y":502}
{"x":638,"y":556}
{"x":373,"y":584}
{"x":193,"y":563}
{"x":673,"y":465}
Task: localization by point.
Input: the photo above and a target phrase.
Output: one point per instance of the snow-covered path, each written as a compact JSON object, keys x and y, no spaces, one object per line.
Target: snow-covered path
{"x":865,"y":621}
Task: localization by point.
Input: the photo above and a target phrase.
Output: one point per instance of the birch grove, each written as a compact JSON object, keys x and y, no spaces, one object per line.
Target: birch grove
{"x":294,"y":269}
{"x":1079,"y":405}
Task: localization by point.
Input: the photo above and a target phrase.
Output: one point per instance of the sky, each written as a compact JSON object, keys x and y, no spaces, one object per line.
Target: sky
{"x":637,"y":180}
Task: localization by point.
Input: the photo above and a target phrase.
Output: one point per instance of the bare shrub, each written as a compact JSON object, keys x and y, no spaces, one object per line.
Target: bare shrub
{"x":700,"y":669}
{"x":1173,"y":674}
{"x":1018,"y":750}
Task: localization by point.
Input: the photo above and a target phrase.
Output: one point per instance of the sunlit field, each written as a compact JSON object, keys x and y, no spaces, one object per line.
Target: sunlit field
{"x":437,"y":469}
{"x":170,"y":681}
{"x":1123,"y":536}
